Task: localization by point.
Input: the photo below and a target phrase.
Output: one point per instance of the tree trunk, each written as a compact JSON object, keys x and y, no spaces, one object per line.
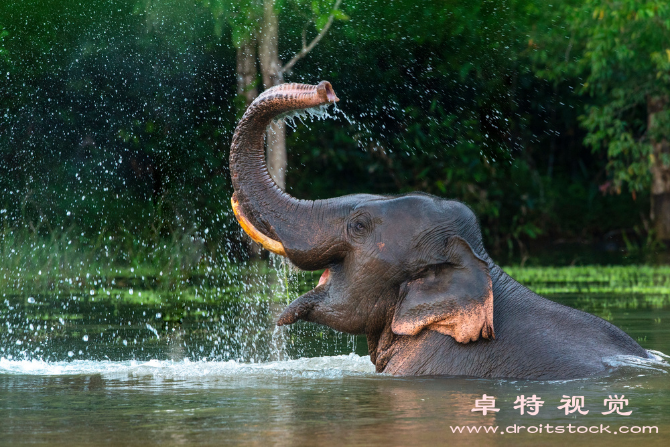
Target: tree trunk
{"x":272,"y":75}
{"x":660,"y":186}
{"x":247,"y":72}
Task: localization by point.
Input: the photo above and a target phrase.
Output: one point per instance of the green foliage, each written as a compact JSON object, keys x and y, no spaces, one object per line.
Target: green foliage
{"x":114,"y":148}
{"x":456,"y":112}
{"x":243,"y":17}
{"x":119,"y":123}
{"x":621,"y":48}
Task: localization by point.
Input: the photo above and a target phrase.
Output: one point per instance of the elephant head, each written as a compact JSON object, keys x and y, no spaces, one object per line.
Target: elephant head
{"x":406,"y":263}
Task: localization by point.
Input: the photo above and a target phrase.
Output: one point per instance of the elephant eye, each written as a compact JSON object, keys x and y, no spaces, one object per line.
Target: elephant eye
{"x":359,"y":227}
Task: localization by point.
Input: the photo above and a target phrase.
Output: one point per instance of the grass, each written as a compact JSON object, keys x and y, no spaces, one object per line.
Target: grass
{"x":638,"y":279}
{"x":182,"y":268}
{"x":132,"y":270}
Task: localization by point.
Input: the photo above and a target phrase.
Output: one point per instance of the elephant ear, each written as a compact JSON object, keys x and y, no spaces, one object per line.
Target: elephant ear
{"x":454,"y":298}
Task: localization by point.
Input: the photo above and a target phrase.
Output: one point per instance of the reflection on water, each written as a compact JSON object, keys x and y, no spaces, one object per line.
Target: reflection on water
{"x":222,"y":373}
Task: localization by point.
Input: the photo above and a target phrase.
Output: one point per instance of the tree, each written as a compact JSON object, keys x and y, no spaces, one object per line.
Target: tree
{"x":625,"y":62}
{"x":255,"y":33}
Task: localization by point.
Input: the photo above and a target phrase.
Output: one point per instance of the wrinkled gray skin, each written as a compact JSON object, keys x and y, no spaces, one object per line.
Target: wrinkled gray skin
{"x":415,"y":258}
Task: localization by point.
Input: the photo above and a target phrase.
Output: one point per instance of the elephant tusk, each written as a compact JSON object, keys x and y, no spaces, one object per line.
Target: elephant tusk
{"x":257,"y":236}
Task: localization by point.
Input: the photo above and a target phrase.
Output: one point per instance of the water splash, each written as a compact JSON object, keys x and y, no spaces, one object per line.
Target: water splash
{"x":312,"y":113}
{"x":658,"y":362}
{"x":316,"y":367}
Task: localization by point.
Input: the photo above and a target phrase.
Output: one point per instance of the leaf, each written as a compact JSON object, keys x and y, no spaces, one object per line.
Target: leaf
{"x":321,"y":22}
{"x":315,"y":8}
{"x":339,"y":15}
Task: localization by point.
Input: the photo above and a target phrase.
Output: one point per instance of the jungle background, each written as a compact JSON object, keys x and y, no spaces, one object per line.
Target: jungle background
{"x":549,"y":120}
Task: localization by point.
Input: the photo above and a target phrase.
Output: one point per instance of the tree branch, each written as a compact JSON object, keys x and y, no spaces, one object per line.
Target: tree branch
{"x":312,"y":44}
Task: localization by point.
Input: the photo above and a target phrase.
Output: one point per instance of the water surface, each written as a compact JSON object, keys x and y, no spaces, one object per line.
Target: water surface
{"x":112,"y":373}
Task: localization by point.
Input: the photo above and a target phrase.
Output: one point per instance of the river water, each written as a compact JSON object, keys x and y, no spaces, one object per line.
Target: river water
{"x":104,"y":373}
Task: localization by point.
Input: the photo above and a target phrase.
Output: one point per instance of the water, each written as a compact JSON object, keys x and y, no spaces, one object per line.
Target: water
{"x":219,"y":373}
{"x":321,"y":401}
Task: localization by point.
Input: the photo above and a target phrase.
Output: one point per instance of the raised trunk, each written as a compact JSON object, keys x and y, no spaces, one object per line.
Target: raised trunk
{"x":302,"y":228}
{"x":660,"y":170}
{"x":272,"y":76}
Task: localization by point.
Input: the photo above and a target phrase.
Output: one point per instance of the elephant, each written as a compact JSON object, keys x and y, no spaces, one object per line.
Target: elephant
{"x":410,"y":272}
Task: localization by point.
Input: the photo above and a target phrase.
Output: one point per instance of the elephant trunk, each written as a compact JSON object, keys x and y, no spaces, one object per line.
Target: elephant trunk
{"x":303,"y":230}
